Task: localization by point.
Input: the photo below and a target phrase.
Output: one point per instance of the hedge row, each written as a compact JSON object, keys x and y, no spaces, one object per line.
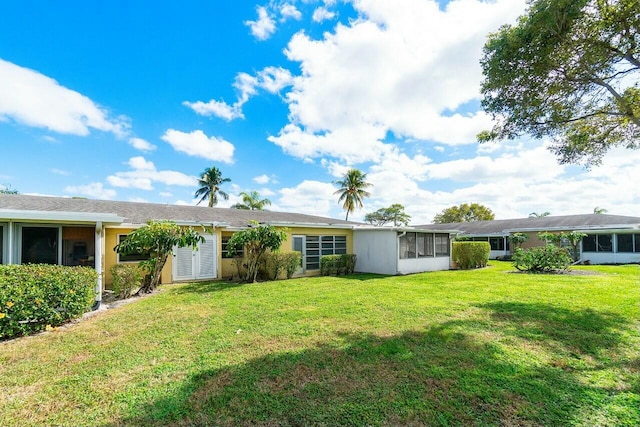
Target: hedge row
{"x":35,"y":296}
{"x":337,"y":264}
{"x":469,"y":255}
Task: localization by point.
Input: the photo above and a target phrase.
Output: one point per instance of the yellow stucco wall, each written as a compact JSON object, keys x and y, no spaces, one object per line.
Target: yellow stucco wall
{"x":226,"y":268}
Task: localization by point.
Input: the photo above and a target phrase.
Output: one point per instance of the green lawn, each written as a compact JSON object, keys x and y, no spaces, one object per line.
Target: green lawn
{"x":485,"y":347}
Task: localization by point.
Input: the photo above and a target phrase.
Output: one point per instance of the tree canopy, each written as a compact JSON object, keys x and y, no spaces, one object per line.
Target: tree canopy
{"x":209,"y":186}
{"x":251,"y":201}
{"x":256,"y":241}
{"x":393,"y":214}
{"x":464,"y":213}
{"x":157,"y":238}
{"x":539,"y":214}
{"x":352,"y":190}
{"x":568,"y":70}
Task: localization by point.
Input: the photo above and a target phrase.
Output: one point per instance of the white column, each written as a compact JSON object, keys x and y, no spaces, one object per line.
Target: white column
{"x":98,"y":260}
{"x":10,"y":245}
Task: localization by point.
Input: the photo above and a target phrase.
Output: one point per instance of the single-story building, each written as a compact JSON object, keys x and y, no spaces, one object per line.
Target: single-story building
{"x":611,"y":239}
{"x":70,"y":231}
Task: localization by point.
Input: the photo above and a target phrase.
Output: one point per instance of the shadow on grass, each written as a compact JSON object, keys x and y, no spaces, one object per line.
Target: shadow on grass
{"x":443,"y":375}
{"x":207,"y":287}
{"x":580,"y":332}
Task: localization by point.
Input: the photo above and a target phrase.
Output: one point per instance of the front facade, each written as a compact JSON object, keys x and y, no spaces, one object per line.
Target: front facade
{"x":610,"y":239}
{"x":53,"y":230}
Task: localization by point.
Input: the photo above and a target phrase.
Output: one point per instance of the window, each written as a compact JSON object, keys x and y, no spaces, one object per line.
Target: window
{"x":225,"y":251}
{"x":131,"y":257}
{"x":442,"y":244}
{"x":39,"y":245}
{"x":313,"y":253}
{"x":416,"y":245}
{"x":425,"y":245}
{"x":628,"y":242}
{"x":497,"y":243}
{"x":597,"y":243}
{"x":316,"y":246}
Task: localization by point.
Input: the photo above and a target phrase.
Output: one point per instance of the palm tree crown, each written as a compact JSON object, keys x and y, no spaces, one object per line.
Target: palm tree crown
{"x":209,"y":186}
{"x":252,"y":201}
{"x":352,"y":190}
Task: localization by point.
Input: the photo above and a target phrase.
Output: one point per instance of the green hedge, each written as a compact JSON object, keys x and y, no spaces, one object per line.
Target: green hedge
{"x":278,"y":263}
{"x":469,"y":255}
{"x":35,"y":296}
{"x":126,"y":279}
{"x":337,"y":264}
{"x":542,"y":259}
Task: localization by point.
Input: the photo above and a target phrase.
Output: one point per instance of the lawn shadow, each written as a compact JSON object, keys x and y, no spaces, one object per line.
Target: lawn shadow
{"x":442,"y":375}
{"x":360,"y":276}
{"x":207,"y":287}
{"x":578,"y":331}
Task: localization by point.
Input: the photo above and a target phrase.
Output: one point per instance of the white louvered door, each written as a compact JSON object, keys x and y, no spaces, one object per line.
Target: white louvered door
{"x":201,"y":264}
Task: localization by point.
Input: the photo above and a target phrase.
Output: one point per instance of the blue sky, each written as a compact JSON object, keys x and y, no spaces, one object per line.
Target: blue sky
{"x":132,"y":100}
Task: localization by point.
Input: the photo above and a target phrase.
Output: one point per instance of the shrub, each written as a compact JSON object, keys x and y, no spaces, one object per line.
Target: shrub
{"x":470,"y":254}
{"x":35,"y":296}
{"x":337,"y":264}
{"x":126,"y":279}
{"x":542,"y":259}
{"x":287,"y":263}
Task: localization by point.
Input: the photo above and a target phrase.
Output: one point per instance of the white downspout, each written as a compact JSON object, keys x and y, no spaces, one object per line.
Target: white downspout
{"x":10,"y":249}
{"x":98,"y":264}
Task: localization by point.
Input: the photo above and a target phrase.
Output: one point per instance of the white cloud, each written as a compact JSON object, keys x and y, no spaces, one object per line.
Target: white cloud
{"x":94,"y":190}
{"x":262,"y":179}
{"x":310,"y":197}
{"x":144,"y":174}
{"x":198,"y":144}
{"x":270,"y":79}
{"x":216,"y":108}
{"x":399,"y":70}
{"x":141,"y":144}
{"x":288,"y":10}
{"x":264,"y":26}
{"x":61,"y":172}
{"x":33,"y":99}
{"x":322,"y":14}
{"x":165,"y":194}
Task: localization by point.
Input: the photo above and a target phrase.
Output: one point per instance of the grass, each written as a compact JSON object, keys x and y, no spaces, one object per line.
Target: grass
{"x":484,"y":347}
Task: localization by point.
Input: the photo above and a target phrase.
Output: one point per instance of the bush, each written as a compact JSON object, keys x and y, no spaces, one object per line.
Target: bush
{"x":278,"y":263}
{"x":337,"y":264}
{"x":35,"y":296}
{"x":470,"y":254}
{"x":126,"y":279}
{"x":542,"y":259}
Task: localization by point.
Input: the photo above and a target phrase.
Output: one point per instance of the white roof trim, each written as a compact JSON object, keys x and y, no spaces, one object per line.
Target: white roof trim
{"x":307,"y":225}
{"x":59,"y":216}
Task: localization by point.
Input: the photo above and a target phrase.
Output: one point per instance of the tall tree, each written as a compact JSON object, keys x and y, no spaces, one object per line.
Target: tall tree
{"x":464,"y":213}
{"x":539,"y":214}
{"x":209,"y":186}
{"x":394,"y":213}
{"x":251,"y":201}
{"x":568,"y":70}
{"x":597,"y":210}
{"x":352,"y":190}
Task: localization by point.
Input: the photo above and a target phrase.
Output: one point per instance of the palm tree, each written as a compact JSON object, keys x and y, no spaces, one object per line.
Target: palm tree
{"x":352,"y":190}
{"x":209,"y":183}
{"x":599,"y":211}
{"x":252,"y":201}
{"x":539,"y":215}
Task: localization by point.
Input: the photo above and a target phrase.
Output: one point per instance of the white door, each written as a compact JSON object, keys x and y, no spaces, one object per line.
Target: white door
{"x":194,"y":265}
{"x":298,"y":243}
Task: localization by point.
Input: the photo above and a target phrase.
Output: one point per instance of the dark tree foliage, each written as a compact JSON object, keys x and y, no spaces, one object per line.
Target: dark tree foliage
{"x":464,"y":213}
{"x":393,"y":214}
{"x":568,"y":70}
